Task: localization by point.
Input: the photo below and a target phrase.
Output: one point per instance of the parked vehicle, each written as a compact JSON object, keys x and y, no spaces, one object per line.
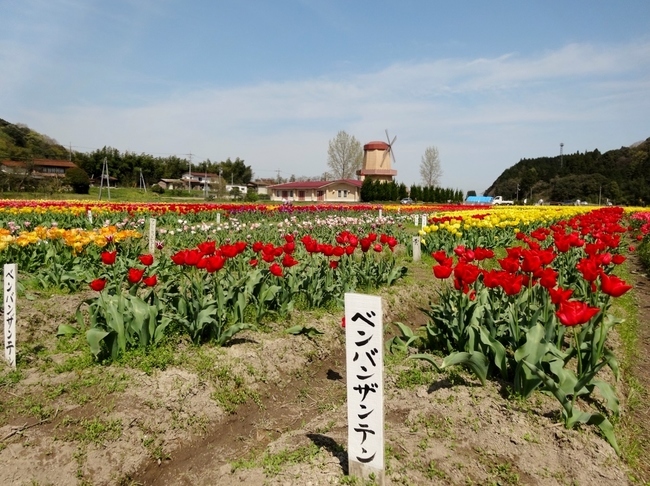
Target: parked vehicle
{"x":498,"y":200}
{"x":407,"y":200}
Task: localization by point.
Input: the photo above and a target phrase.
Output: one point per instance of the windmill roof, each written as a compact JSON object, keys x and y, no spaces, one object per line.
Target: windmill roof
{"x":376,"y":145}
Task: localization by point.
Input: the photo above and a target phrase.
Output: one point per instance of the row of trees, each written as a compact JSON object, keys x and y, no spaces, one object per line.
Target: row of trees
{"x":126,"y":167}
{"x":345,"y":158}
{"x":374,"y":190}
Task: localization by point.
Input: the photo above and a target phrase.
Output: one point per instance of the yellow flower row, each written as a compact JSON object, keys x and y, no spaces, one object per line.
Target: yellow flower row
{"x":77,"y":239}
{"x":501,"y":217}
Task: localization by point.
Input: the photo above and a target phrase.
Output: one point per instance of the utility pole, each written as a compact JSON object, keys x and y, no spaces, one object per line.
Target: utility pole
{"x":561,"y":156}
{"x":278,"y":171}
{"x":108,"y":181}
{"x":190,"y":170}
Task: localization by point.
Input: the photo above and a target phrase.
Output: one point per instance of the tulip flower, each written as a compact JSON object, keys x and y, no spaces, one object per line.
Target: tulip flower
{"x":108,"y":257}
{"x":150,"y":281}
{"x":276,"y":270}
{"x":98,"y":284}
{"x":146,"y":259}
{"x":612,"y":285}
{"x":135,"y":275}
{"x":574,"y":312}
{"x":442,"y":271}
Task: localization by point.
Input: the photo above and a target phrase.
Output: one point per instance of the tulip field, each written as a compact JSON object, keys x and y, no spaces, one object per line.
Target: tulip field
{"x":522,"y":296}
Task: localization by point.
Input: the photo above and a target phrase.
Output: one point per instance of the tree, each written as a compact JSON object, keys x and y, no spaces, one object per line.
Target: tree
{"x":78,"y":180}
{"x":430,"y":170}
{"x":344,"y":156}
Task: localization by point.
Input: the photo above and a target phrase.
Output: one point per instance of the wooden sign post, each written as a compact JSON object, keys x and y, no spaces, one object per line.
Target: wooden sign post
{"x":152,"y":235}
{"x":417,"y":249}
{"x":364,"y":351}
{"x":424,"y":220}
{"x":380,"y":213}
{"x":90,"y":216}
{"x":218,"y":218}
{"x":416,"y":219}
{"x":10,"y":274}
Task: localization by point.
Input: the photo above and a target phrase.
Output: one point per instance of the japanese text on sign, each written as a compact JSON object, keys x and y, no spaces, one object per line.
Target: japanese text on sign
{"x":365,"y":384}
{"x":9,"y":274}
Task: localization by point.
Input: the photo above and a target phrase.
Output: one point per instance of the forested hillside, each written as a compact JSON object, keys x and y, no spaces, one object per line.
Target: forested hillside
{"x":621,"y":176}
{"x":18,"y":142}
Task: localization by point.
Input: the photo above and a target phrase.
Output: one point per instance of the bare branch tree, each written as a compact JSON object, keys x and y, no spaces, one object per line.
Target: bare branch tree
{"x":344,"y":156}
{"x":430,"y":169}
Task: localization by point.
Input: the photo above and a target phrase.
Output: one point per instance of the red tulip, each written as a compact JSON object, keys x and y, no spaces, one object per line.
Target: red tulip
{"x":150,"y":281}
{"x":214,"y":263}
{"x":146,"y":259}
{"x":135,"y":275}
{"x":179,"y":257}
{"x":276,"y":270}
{"x":98,"y":284}
{"x":560,"y":295}
{"x":442,"y":271}
{"x":108,"y":257}
{"x":511,"y":283}
{"x":439,"y":256}
{"x":334,"y":264}
{"x":612,"y":285}
{"x":574,"y":312}
{"x":289,"y":261}
{"x":207,"y":247}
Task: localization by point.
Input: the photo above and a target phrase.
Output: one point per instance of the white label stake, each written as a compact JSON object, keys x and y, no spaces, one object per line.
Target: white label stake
{"x":152,"y":235}
{"x":10,"y":273}
{"x":364,"y":351}
{"x":417,"y":249}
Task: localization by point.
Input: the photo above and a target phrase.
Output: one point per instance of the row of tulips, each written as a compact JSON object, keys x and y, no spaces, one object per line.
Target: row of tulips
{"x":212,"y":292}
{"x":536,"y":315}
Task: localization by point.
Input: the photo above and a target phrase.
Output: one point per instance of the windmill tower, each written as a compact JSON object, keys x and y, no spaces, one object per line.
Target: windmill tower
{"x":377,"y":158}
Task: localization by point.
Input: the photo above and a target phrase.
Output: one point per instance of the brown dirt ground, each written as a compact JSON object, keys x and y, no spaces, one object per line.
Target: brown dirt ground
{"x":65,"y":422}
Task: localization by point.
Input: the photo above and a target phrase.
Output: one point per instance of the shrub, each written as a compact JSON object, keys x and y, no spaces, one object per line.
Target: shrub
{"x":156,"y":188}
{"x":78,"y":180}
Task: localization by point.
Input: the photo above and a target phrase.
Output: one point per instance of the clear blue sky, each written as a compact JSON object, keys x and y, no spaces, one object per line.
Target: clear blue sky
{"x":273,"y":81}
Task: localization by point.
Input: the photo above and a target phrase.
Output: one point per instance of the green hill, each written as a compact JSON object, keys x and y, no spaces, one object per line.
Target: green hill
{"x":19,"y":142}
{"x":621,"y":176}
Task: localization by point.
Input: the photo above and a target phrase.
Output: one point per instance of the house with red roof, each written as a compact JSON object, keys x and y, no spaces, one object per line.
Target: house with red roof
{"x":340,"y":191}
{"x":39,"y":168}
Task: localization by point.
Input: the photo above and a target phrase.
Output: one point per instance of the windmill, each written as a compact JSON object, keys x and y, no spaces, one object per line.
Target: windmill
{"x":377,"y":158}
{"x":388,"y":153}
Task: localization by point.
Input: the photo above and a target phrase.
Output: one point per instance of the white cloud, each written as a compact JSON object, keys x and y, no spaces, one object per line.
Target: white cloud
{"x":483,"y":114}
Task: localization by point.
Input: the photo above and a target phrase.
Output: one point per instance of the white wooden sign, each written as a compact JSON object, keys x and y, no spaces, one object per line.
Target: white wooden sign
{"x":152,"y":235}
{"x":380,"y":213}
{"x":10,"y":273}
{"x":417,"y":249}
{"x":90,"y":216}
{"x":424,"y":220}
{"x":218,"y":218}
{"x":416,"y":219}
{"x":364,"y":351}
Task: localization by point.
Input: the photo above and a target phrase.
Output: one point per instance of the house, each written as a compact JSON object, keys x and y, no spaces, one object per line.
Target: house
{"x":199,"y":180}
{"x":342,"y":190}
{"x":171,"y":184}
{"x":261,"y":186}
{"x":39,"y":168}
